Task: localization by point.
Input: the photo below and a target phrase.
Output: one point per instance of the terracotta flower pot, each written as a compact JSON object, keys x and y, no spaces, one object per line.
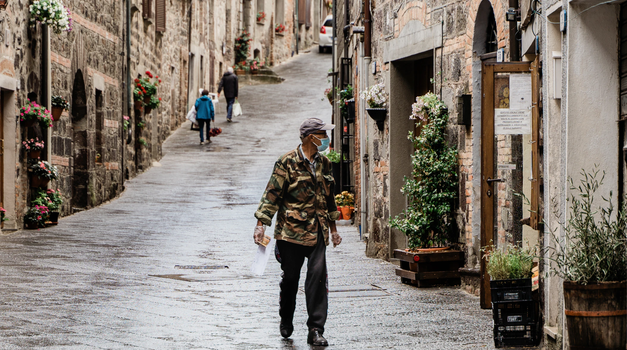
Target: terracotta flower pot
{"x":138,"y":105}
{"x":340,"y":210}
{"x":34,"y":154}
{"x":56,"y":113}
{"x":37,"y":182}
{"x":347,"y":213}
{"x":239,"y":72}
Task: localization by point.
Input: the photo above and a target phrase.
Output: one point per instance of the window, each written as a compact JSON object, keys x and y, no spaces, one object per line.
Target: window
{"x":279,"y":12}
{"x":160,"y":10}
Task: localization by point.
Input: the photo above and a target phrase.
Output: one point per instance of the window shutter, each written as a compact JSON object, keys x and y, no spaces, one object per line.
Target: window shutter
{"x":301,"y":11}
{"x":308,"y":13}
{"x":160,"y":15}
{"x":147,"y":9}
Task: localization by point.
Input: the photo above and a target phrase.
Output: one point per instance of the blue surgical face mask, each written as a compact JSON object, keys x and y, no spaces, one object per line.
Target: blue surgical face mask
{"x":324,"y":143}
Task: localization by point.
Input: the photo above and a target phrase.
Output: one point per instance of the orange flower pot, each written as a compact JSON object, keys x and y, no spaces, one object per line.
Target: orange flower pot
{"x":347,"y":213}
{"x":56,"y":113}
{"x":340,"y":210}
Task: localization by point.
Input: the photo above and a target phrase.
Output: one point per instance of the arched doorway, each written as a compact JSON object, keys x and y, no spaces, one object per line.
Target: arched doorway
{"x":80,"y":170}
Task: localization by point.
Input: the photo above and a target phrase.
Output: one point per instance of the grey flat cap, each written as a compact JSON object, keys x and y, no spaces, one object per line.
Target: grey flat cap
{"x":311,"y":125}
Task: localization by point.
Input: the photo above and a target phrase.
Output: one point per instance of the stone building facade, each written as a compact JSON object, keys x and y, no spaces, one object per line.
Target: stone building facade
{"x":440,"y":47}
{"x":188,"y":44}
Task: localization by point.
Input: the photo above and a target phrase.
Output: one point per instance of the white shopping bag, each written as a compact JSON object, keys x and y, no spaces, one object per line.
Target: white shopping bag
{"x":191,"y":115}
{"x":261,"y":258}
{"x":237,"y":109}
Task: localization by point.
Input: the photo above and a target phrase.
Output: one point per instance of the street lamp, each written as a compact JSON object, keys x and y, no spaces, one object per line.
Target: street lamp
{"x":3,"y":4}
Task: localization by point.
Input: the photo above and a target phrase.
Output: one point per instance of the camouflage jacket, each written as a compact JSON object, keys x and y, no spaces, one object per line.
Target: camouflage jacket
{"x":302,"y":201}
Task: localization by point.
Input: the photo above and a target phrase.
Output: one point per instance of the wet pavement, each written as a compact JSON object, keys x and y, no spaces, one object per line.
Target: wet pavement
{"x":166,"y":266}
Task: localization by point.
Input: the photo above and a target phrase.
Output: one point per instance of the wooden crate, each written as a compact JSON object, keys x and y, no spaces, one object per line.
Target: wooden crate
{"x":432,"y":268}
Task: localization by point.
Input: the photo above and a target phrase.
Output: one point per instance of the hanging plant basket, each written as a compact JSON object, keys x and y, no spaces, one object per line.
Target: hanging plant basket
{"x":34,"y":154}
{"x":56,"y":113}
{"x":38,"y":182}
{"x":138,"y":105}
{"x":378,"y":115}
{"x":28,"y":123}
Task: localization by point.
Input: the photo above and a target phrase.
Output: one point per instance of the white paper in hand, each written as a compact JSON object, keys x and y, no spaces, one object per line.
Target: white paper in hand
{"x":261,"y":258}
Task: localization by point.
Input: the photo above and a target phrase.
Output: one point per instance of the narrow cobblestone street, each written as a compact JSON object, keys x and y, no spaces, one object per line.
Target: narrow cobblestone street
{"x":166,"y":265}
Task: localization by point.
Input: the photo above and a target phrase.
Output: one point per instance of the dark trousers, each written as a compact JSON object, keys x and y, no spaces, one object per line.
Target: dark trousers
{"x":316,"y":289}
{"x":201,"y":124}
{"x":229,"y":107}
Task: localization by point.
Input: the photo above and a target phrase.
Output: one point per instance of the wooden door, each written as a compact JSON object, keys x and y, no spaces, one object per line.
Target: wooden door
{"x":510,"y":175}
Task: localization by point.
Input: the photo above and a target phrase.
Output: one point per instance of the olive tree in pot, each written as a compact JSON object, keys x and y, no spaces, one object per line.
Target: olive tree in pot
{"x":591,"y":257}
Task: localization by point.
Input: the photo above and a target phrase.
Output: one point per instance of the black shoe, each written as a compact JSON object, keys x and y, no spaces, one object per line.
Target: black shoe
{"x":315,"y":338}
{"x":286,"y":330}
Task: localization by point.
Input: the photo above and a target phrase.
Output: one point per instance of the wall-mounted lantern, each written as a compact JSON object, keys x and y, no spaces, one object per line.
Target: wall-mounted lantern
{"x":3,"y":4}
{"x":512,"y":15}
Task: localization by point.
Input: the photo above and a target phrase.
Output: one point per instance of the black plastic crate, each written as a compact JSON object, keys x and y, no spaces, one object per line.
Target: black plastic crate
{"x":518,"y":335}
{"x":513,"y":314}
{"x":511,"y":290}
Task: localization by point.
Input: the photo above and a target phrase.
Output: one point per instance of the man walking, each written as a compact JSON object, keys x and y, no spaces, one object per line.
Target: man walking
{"x":230,"y":85}
{"x":204,"y":115}
{"x":301,"y":192}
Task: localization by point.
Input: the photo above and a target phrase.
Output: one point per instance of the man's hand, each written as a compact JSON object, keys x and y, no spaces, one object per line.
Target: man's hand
{"x":335,"y":238}
{"x":260,"y":231}
{"x":218,"y":95}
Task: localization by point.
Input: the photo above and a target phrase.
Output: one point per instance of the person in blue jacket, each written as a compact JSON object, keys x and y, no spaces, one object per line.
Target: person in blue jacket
{"x":204,"y":114}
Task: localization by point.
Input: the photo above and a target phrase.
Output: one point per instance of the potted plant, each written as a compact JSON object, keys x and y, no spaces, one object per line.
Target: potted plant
{"x":335,"y":157}
{"x":34,"y":113}
{"x":514,"y":306}
{"x":345,"y":96}
{"x":346,"y":202}
{"x":591,"y":257}
{"x":3,"y":215}
{"x":52,"y":200}
{"x":42,"y":172}
{"x":33,"y":147}
{"x":59,"y":104}
{"x":328,"y":93}
{"x":430,"y":190}
{"x":36,"y":217}
{"x":261,"y":16}
{"x":242,"y":45}
{"x":376,"y":98}
{"x":153,"y":103}
{"x":279,"y":29}
{"x":51,"y":13}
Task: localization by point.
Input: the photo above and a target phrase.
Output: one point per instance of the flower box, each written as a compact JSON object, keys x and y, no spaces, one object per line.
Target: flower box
{"x":427,"y":269}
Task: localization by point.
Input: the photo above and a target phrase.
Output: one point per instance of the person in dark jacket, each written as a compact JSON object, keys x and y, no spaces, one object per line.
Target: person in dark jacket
{"x":230,"y":85}
{"x":204,"y":114}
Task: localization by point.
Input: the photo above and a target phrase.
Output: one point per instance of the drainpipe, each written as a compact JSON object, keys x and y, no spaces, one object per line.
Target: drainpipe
{"x":128,"y":86}
{"x":297,"y":24}
{"x":189,"y":50}
{"x":46,"y":85}
{"x":363,"y":157}
{"x":367,"y":29}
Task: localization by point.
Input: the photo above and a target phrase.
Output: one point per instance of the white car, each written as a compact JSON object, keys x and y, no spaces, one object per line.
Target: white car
{"x":326,"y":34}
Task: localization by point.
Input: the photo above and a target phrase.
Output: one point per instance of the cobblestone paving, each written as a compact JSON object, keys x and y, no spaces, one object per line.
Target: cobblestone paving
{"x":166,"y":266}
